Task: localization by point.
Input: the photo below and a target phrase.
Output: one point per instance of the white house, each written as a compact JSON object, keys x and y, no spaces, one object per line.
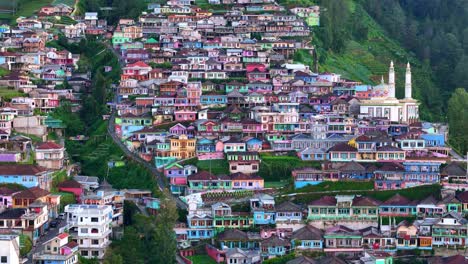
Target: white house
{"x":9,"y":249}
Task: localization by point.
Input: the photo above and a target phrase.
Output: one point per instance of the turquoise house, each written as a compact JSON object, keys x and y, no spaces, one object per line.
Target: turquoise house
{"x":307,"y":238}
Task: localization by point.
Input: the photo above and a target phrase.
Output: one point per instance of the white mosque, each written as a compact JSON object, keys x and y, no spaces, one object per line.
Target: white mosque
{"x":383,"y":102}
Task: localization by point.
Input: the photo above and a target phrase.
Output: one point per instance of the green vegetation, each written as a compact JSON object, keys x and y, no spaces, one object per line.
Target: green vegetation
{"x":26,"y":8}
{"x":72,"y":121}
{"x":416,"y":193}
{"x":350,"y":42}
{"x":25,"y":245}
{"x":67,"y":2}
{"x":13,"y":186}
{"x":6,"y":94}
{"x":147,"y":239}
{"x":165,"y":65}
{"x":329,"y":186}
{"x":458,"y":120}
{"x":279,"y":184}
{"x":201,"y":259}
{"x":217,"y":167}
{"x":120,"y":8}
{"x":3,"y":72}
{"x":280,"y":260}
{"x":66,"y":198}
{"x":279,"y":168}
{"x":58,"y":177}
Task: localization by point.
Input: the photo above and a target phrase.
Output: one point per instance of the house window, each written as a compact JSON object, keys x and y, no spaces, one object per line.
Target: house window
{"x":84,"y":253}
{"x":84,"y":230}
{"x":95,"y":253}
{"x":4,"y":259}
{"x":95,"y":242}
{"x":94,"y":219}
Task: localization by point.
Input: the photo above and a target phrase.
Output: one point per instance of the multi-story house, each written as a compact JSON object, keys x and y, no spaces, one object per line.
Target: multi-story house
{"x":31,"y":221}
{"x":182,"y":147}
{"x":342,"y":240}
{"x":10,"y":249}
{"x":235,"y":238}
{"x":245,"y":162}
{"x":406,"y":236}
{"x":58,"y":250}
{"x":451,"y":230}
{"x":177,"y":175}
{"x":389,"y":177}
{"x":199,"y":227}
{"x":93,"y":228}
{"x":421,"y":172}
{"x":223,"y":217}
{"x":204,"y":180}
{"x":263,"y":209}
{"x":274,"y":246}
{"x":288,"y":212}
{"x":348,"y":210}
{"x":26,"y":175}
{"x":50,"y":155}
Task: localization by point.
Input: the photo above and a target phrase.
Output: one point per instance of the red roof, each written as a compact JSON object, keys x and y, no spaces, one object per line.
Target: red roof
{"x":324,"y":200}
{"x":138,"y":64}
{"x":62,"y":235}
{"x":49,"y":145}
{"x":70,"y":184}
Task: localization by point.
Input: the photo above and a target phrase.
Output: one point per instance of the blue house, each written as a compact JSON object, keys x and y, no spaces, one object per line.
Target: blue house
{"x":313,"y":154}
{"x":434,"y":140}
{"x":27,"y":175}
{"x":192,"y":44}
{"x":205,"y":145}
{"x":421,"y":172}
{"x":263,"y":209}
{"x":274,"y":247}
{"x":213,"y":99}
{"x":254,"y":144}
{"x":306,"y":77}
{"x":307,"y":238}
{"x":199,"y":227}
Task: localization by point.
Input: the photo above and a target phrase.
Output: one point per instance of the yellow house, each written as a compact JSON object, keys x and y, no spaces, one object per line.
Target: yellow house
{"x":182,"y":147}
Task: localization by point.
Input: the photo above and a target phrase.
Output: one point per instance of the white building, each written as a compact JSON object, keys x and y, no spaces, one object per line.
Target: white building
{"x":9,"y":249}
{"x":383,"y":102}
{"x":93,"y":224}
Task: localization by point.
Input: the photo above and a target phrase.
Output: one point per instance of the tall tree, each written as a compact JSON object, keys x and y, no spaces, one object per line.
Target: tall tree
{"x":458,"y":119}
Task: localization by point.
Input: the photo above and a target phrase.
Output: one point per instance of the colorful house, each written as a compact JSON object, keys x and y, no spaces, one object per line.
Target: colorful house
{"x":263,"y":209}
{"x":204,"y":180}
{"x":26,"y":175}
{"x":71,"y":186}
{"x":288,"y":212}
{"x":235,"y":238}
{"x":182,"y":147}
{"x":245,"y":162}
{"x":398,"y":205}
{"x":223,"y":217}
{"x":307,"y":238}
{"x":246,"y":181}
{"x":342,"y":240}
{"x":274,"y":246}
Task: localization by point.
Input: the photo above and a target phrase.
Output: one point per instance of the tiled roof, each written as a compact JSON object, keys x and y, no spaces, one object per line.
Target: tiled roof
{"x":397,"y":199}
{"x":324,"y":200}
{"x":241,"y":176}
{"x":389,"y":148}
{"x":365,"y":201}
{"x":352,"y":166}
{"x":69,"y":184}
{"x":233,"y":234}
{"x":463,"y":197}
{"x":12,"y":213}
{"x":49,"y":145}
{"x":6,"y":191}
{"x":391,"y":166}
{"x":275,"y":241}
{"x":21,"y":169}
{"x":454,"y":169}
{"x":308,"y":232}
{"x":342,"y":147}
{"x":287,"y":206}
{"x":206,"y":176}
{"x":31,"y":193}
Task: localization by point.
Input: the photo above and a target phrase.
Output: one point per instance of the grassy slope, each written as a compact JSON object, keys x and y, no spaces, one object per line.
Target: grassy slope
{"x":367,"y":60}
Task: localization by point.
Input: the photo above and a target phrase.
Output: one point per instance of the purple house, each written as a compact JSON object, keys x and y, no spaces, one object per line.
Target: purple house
{"x":6,"y":196}
{"x":178,"y":129}
{"x":10,"y":156}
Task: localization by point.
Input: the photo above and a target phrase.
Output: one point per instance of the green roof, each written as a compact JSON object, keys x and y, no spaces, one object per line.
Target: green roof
{"x":151,"y":40}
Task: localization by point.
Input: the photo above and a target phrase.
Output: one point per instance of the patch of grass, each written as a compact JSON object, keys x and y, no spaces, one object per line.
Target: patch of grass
{"x":278,"y":184}
{"x":57,"y":178}
{"x":66,"y":198}
{"x":7,"y":93}
{"x":218,"y":167}
{"x":29,"y":7}
{"x":338,"y":186}
{"x":201,"y":259}
{"x":67,"y":2}
{"x":279,"y":168}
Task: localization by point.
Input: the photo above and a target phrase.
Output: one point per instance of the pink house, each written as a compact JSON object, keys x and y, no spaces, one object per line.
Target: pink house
{"x":185,"y":115}
{"x":6,"y":196}
{"x":178,"y":129}
{"x":255,"y":67}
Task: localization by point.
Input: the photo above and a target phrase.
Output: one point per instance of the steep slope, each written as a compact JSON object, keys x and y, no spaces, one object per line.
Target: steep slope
{"x":366,"y":52}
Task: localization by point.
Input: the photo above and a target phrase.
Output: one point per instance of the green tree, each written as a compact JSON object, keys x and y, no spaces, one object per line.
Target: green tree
{"x":164,"y":244}
{"x":458,"y":119}
{"x":112,"y":258}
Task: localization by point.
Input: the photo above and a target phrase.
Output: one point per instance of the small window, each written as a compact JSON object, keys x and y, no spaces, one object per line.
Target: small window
{"x":4,"y":259}
{"x":94,"y":219}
